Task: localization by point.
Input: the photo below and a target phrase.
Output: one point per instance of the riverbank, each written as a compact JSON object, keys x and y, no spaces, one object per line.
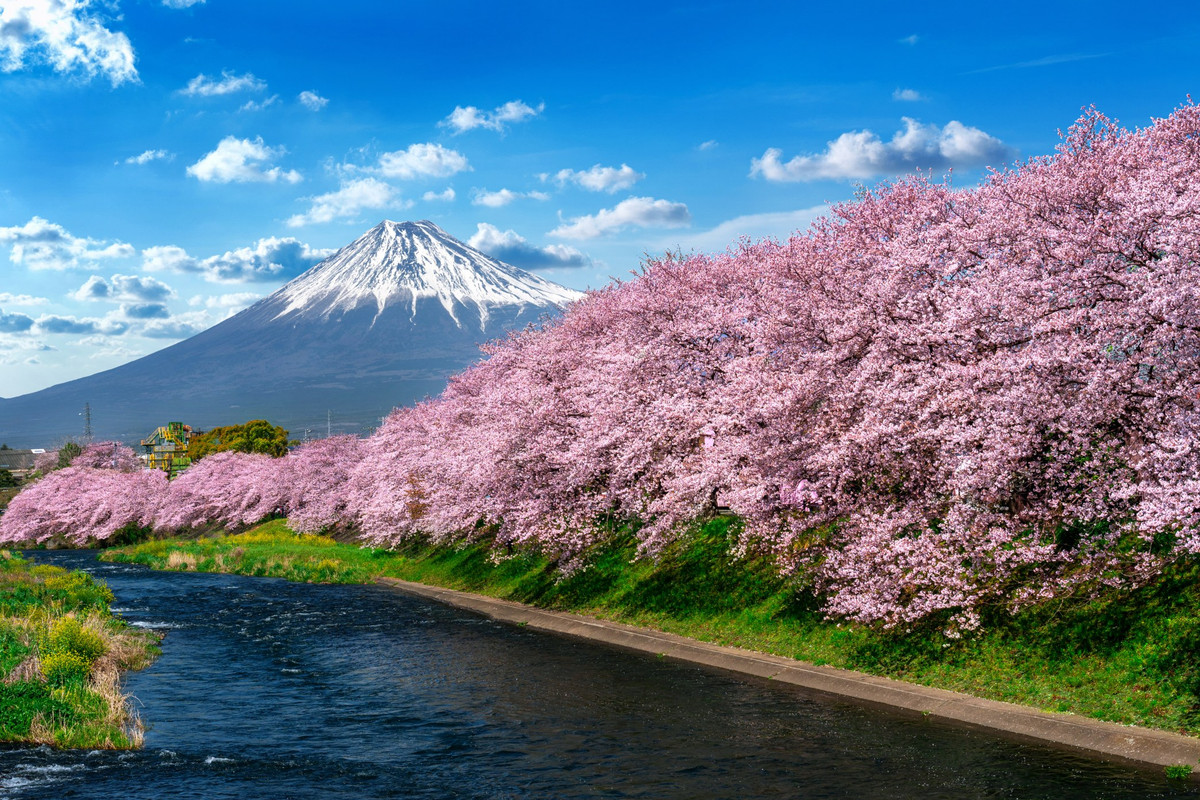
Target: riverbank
{"x":1128,"y":659}
{"x":61,"y":655}
{"x":1131,"y":743}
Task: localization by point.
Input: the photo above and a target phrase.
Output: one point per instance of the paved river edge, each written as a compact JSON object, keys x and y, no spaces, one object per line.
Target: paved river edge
{"x":1123,"y":742}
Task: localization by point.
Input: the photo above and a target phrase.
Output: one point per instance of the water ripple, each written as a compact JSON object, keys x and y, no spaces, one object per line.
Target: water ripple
{"x":268,"y":689}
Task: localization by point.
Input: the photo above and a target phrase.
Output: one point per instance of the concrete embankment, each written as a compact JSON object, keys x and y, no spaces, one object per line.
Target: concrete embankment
{"x":1130,"y":743}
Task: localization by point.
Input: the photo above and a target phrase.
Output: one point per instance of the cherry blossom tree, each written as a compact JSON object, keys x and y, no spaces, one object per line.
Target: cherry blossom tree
{"x":933,"y":402}
{"x":82,"y":506}
{"x":108,"y":455}
{"x":230,"y":489}
{"x":317,"y":481}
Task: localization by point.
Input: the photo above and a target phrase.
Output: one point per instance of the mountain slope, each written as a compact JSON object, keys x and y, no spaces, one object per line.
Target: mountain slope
{"x":383,"y":322}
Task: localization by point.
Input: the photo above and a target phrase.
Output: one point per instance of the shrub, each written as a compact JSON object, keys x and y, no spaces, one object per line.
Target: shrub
{"x":79,"y":590}
{"x":65,"y":668}
{"x":68,"y":636}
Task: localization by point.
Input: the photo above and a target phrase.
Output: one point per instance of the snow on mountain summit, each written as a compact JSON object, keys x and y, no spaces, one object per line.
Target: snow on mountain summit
{"x":399,"y":263}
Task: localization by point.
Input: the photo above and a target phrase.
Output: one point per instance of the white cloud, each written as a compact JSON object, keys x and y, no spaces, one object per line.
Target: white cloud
{"x":709,"y":145}
{"x":635,"y":212}
{"x":116,"y":351}
{"x":42,"y":244}
{"x":22,"y":299}
{"x":255,"y":105}
{"x":180,"y":326}
{"x":772,"y":225}
{"x":511,"y":247}
{"x":233,"y":302}
{"x":312,"y":101}
{"x":124,"y":288}
{"x":66,"y":36}
{"x":503,"y":197}
{"x":15,"y":322}
{"x":144,"y":311}
{"x":465,"y":118}
{"x":444,"y":197}
{"x":267,"y":259}
{"x":427,"y":160}
{"x":911,"y":39}
{"x":353,"y":197}
{"x":204,"y":86}
{"x":241,"y":161}
{"x":150,"y":155}
{"x":1045,"y":61}
{"x":55,"y":323}
{"x":862,"y":154}
{"x":181,"y":3}
{"x":907,"y":95}
{"x":600,"y":179}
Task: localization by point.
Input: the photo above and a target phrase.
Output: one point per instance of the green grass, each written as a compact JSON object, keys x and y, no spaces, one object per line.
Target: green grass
{"x":61,"y":651}
{"x":1130,"y":658}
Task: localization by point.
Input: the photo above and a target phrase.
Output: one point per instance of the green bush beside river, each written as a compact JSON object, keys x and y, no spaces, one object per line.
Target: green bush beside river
{"x":1128,"y":658}
{"x":61,"y":653}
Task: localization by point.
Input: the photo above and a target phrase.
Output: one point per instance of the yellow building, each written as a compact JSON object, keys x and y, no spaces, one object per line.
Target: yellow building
{"x":166,"y":448}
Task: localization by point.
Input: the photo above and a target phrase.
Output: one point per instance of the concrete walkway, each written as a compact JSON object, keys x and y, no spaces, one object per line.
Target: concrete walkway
{"x":1110,"y":739}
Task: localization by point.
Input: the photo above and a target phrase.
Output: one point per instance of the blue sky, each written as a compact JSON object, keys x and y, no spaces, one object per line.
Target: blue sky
{"x":164,"y":163}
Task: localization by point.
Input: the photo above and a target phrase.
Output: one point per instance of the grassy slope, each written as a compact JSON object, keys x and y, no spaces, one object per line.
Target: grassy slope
{"x":51,"y":616}
{"x":1128,"y":659}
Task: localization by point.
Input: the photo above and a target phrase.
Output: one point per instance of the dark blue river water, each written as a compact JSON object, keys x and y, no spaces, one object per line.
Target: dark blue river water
{"x":267,"y":689}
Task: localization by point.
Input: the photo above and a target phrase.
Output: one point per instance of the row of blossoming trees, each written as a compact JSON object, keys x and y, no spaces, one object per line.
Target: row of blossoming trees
{"x":932,"y":402}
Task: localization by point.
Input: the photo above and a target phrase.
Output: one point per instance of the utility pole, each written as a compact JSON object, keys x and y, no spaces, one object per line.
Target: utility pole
{"x":87,"y":423}
{"x":328,"y":423}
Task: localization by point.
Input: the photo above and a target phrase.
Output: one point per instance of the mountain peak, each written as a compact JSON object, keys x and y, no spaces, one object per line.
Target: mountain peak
{"x":399,"y":263}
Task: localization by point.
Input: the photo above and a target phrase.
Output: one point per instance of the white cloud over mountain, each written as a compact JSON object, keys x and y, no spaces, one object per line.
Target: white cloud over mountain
{"x":509,"y":246}
{"x":267,"y":259}
{"x":425,"y":160}
{"x":354,"y":197}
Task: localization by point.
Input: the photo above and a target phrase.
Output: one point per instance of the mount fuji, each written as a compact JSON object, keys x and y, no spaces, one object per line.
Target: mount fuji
{"x":381,"y":323}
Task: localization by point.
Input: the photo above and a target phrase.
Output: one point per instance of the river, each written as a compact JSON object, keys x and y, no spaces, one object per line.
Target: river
{"x":269,"y":689}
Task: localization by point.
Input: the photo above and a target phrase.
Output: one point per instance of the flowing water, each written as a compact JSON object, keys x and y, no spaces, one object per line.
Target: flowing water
{"x":268,"y":689}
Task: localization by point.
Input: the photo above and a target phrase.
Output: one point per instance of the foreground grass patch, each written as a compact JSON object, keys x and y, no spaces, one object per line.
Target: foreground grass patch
{"x":61,"y":653}
{"x":1130,"y":658}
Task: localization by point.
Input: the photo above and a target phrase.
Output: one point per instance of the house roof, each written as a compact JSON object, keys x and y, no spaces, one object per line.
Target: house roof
{"x":16,"y":459}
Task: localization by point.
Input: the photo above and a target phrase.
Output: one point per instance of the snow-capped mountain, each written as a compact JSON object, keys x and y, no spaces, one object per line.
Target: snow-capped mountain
{"x":400,"y":263}
{"x":381,"y":323}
